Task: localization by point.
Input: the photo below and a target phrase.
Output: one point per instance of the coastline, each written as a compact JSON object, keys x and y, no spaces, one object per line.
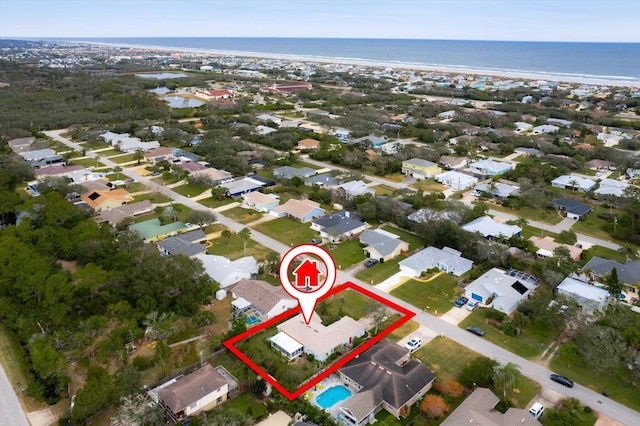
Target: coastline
{"x":611,"y":81}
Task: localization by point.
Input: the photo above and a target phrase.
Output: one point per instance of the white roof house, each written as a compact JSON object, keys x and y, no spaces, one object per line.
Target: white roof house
{"x":37,"y":154}
{"x":522,"y":126}
{"x":545,"y":128}
{"x":612,"y":187}
{"x":573,"y":182}
{"x":355,"y":188}
{"x":446,"y":259}
{"x":227,"y":272}
{"x":489,"y":228}
{"x":490,"y":167}
{"x":506,"y":291}
{"x":499,"y":190}
{"x":456,"y":180}
{"x":589,"y":297}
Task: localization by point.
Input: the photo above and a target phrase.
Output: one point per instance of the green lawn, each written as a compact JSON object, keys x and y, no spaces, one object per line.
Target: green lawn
{"x":540,"y":215}
{"x":605,"y":253}
{"x":212,"y":203}
{"x":190,"y":190}
{"x":414,"y":241}
{"x":447,"y":358}
{"x":242,"y":215}
{"x":530,"y":344}
{"x":154,"y":197}
{"x":233,"y":248}
{"x":428,"y":185}
{"x":109,"y":152}
{"x":436,"y":296}
{"x":591,"y":225}
{"x":125,"y":159}
{"x":85,"y":162}
{"x":287,"y":231}
{"x":529,"y":231}
{"x":137,"y":187}
{"x":347,"y":253}
{"x":616,"y":384}
{"x":384,"y":190}
{"x":380,"y":271}
{"x":404,"y":330}
{"x":347,"y":302}
{"x":246,"y":403}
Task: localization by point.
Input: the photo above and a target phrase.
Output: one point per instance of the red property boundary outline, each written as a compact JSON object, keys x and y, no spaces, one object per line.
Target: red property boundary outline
{"x":229,"y":344}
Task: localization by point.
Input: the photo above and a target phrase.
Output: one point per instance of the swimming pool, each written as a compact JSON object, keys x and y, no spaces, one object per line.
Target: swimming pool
{"x":252,"y":319}
{"x":332,"y":396}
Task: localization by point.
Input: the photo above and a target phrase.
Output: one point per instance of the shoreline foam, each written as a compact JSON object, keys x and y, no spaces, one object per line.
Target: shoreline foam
{"x":611,"y":81}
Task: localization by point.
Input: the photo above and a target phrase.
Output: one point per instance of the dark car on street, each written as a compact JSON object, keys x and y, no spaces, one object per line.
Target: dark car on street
{"x":475,"y":330}
{"x":562,"y":380}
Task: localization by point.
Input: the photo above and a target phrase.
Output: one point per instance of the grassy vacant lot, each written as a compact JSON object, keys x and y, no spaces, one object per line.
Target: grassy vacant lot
{"x":233,"y":248}
{"x":347,"y":253}
{"x":190,"y":190}
{"x":125,"y":159}
{"x":404,"y":330}
{"x":287,"y":231}
{"x":414,"y":241}
{"x":347,"y":302}
{"x":247,"y":403}
{"x":529,"y":231}
{"x":396,"y":177}
{"x":540,"y":215}
{"x":606,"y":253}
{"x":212,"y":203}
{"x":384,"y":190}
{"x":447,"y":358}
{"x":137,"y":187}
{"x":428,"y":185}
{"x":616,"y":384}
{"x":530,"y":344}
{"x":154,"y":197}
{"x":380,"y":271}
{"x":85,"y":162}
{"x":242,"y":215}
{"x":591,"y":225}
{"x":435,"y":296}
{"x":109,"y":152}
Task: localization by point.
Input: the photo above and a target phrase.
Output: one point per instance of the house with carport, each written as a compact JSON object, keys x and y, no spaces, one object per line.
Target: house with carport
{"x":382,"y":245}
{"x":261,"y":299}
{"x":296,"y":337}
{"x":502,"y":290}
{"x":446,"y":259}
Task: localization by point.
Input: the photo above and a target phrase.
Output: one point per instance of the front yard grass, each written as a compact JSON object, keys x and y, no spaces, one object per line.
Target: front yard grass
{"x":384,"y":190}
{"x":233,"y":248}
{"x":189,"y":190}
{"x":347,"y":253}
{"x":154,"y":197}
{"x":414,"y":241}
{"x":530,"y":344}
{"x":404,"y":330}
{"x":435,"y":296}
{"x":242,"y":215}
{"x":213,"y":203}
{"x":592,"y":225}
{"x":347,"y":302}
{"x":380,"y":271}
{"x":615,"y":383}
{"x":287,"y":231}
{"x":246,"y":403}
{"x":127,"y":158}
{"x":540,"y":215}
{"x":428,"y":185}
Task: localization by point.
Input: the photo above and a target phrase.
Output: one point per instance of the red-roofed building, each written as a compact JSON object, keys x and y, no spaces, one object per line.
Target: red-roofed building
{"x":216,"y":94}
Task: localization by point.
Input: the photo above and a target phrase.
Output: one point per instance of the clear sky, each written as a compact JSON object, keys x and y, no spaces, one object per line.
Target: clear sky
{"x":531,"y":20}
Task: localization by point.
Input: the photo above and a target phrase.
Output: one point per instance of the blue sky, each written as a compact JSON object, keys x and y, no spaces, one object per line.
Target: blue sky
{"x":534,"y":20}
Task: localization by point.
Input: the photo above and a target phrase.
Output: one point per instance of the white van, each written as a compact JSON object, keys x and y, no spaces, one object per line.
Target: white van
{"x":536,"y":410}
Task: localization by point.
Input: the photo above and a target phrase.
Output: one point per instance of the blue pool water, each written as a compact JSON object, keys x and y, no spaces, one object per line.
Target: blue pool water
{"x":252,"y":319}
{"x":332,"y":396}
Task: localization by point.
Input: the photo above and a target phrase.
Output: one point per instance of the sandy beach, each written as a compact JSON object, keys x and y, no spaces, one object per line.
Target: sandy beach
{"x":503,"y":74}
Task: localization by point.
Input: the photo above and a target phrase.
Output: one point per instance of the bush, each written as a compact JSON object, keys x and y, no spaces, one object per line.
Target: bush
{"x":203,"y":318}
{"x":479,"y":372}
{"x":503,"y":405}
{"x":434,"y":406}
{"x":449,"y":387}
{"x":509,"y":329}
{"x":494,"y":315}
{"x":142,"y":363}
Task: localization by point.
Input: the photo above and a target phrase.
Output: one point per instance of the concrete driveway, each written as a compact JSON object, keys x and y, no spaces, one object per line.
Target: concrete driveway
{"x":455,"y":315}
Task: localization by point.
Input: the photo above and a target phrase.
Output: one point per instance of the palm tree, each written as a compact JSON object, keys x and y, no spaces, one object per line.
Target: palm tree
{"x":245,"y":234}
{"x":506,"y":376}
{"x":138,"y":156}
{"x":521,"y":222}
{"x":628,"y":250}
{"x":117,"y":169}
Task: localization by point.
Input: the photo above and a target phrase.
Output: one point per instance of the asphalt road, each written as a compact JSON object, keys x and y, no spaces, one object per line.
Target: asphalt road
{"x":606,"y":406}
{"x":11,"y":412}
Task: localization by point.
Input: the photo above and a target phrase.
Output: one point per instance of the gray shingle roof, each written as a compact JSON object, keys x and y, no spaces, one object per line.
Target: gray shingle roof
{"x":383,"y":244}
{"x":187,"y":243}
{"x":262,"y":295}
{"x":342,"y":221}
{"x":628,"y":273}
{"x":571,"y":206}
{"x":189,"y":389}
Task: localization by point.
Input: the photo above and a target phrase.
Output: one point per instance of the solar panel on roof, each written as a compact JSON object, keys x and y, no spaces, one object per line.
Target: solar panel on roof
{"x":519,"y":287}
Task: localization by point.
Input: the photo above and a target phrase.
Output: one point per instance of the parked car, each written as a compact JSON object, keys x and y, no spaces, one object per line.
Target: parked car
{"x":461,"y":302}
{"x":562,"y":380}
{"x":370,"y":262}
{"x":155,"y":174}
{"x":536,"y":410}
{"x":413,"y":344}
{"x":476,"y":330}
{"x":472,"y":305}
{"x":316,"y":241}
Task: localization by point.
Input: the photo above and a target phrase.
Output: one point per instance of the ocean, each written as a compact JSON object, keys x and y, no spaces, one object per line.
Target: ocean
{"x":602,"y":61}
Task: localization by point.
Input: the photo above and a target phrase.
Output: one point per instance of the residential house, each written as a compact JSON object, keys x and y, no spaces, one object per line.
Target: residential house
{"x":21,"y":144}
{"x":456,"y":180}
{"x":573,"y":182}
{"x":628,"y":273}
{"x":546,"y":248}
{"x":596,"y":164}
{"x":215,"y":94}
{"x":351,"y":190}
{"x":491,"y":229}
{"x":342,"y":134}
{"x":261,"y":299}
{"x":589,"y":297}
{"x":490,"y":167}
{"x":228,"y":272}
{"x":301,"y":210}
{"x":260,"y":202}
{"x":159,"y":154}
{"x":104,"y":200}
{"x":56,"y":171}
{"x":382,"y":245}
{"x":522,"y":126}
{"x":325,"y":180}
{"x":263,"y":130}
{"x":545,"y":129}
{"x":383,"y":377}
{"x":501,"y":290}
{"x":428,"y":215}
{"x":117,"y":214}
{"x":632,"y":173}
{"x":573,"y":209}
{"x":308,"y":144}
{"x":446,"y":259}
{"x":447,"y":115}
{"x":296,"y":337}
{"x":559,"y":122}
{"x":611,"y":187}
{"x":496,"y":190}
{"x":241,"y":186}
{"x":478,"y":409}
{"x":339,"y":225}
{"x":37,"y":154}
{"x":213,"y":176}
{"x":189,"y":244}
{"x":453,"y":163}
{"x":269,"y":117}
{"x":375,"y":141}
{"x":187,"y":395}
{"x":288,"y":172}
{"x":419,"y":168}
{"x":152,"y":230}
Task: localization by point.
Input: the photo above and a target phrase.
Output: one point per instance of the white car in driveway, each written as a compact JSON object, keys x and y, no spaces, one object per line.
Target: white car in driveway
{"x":472,"y":305}
{"x":413,"y":344}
